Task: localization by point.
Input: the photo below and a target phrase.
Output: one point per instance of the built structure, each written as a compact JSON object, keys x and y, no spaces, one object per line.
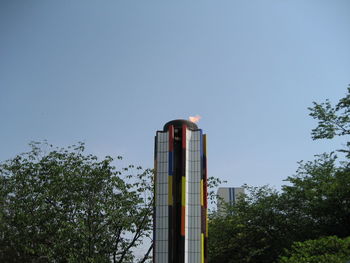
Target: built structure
{"x":180,"y":213}
{"x":228,"y":195}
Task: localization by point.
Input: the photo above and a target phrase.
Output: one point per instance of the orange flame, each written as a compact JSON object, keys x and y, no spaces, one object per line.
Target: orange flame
{"x":195,"y":119}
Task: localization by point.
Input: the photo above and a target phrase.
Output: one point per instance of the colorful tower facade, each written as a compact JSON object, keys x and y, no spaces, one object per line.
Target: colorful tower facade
{"x":180,"y":213}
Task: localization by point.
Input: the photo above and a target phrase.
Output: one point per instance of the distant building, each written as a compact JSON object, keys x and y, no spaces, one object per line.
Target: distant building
{"x":228,"y":195}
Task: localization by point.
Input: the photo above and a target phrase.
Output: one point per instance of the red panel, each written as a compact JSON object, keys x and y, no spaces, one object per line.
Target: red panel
{"x":184,"y":128}
{"x":183,"y":214}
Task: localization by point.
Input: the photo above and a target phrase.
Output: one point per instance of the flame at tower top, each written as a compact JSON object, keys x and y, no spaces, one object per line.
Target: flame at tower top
{"x":195,"y":119}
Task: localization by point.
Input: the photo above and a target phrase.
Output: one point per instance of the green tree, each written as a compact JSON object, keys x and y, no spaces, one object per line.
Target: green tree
{"x":332,"y":120}
{"x":323,"y":250}
{"x":320,"y":190}
{"x":255,"y":229}
{"x":319,"y":196}
{"x":61,"y":205}
{"x":314,"y":203}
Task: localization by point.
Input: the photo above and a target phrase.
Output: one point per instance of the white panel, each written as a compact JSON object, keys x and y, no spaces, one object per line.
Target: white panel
{"x":193,"y":216}
{"x":162,"y":198}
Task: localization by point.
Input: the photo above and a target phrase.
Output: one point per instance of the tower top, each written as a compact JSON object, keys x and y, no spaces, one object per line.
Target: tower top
{"x":178,"y":124}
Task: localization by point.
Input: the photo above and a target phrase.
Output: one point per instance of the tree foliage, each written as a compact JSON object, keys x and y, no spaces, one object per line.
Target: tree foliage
{"x":249,"y":229}
{"x":319,"y":194}
{"x":61,"y":205}
{"x":323,"y":250}
{"x":332,"y":120}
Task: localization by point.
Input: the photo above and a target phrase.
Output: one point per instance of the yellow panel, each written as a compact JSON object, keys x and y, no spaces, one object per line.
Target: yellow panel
{"x":183,"y":195}
{"x":205,"y":144}
{"x":202,"y":248}
{"x":170,"y":190}
{"x":201,"y":191}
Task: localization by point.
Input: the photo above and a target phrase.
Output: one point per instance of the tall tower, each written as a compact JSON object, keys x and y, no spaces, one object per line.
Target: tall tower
{"x":180,"y":214}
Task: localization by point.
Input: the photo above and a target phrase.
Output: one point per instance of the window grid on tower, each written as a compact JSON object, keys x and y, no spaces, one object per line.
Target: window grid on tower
{"x":162,"y":219}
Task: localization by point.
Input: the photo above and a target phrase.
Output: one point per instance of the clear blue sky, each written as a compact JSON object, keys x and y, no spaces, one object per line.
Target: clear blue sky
{"x":111,"y":73}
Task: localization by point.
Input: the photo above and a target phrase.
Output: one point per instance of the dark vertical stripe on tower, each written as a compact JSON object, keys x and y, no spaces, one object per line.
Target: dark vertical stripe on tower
{"x":183,"y":195}
{"x":203,"y":197}
{"x":171,"y":149}
{"x":205,"y":186}
{"x":170,"y":194}
{"x":155,"y":193}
